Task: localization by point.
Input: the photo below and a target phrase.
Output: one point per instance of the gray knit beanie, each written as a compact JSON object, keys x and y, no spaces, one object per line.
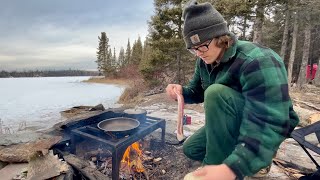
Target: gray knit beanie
{"x":202,"y":22}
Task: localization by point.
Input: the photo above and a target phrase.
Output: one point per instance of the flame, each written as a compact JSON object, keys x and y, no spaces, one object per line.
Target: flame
{"x":133,"y":162}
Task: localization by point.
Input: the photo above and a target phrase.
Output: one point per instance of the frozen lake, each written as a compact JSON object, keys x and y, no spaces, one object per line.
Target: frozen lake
{"x":38,"y":101}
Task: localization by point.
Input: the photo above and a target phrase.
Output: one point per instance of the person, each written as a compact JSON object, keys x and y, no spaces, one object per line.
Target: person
{"x":244,"y":88}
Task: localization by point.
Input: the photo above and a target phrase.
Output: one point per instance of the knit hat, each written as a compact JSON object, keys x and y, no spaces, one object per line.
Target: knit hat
{"x":202,"y":22}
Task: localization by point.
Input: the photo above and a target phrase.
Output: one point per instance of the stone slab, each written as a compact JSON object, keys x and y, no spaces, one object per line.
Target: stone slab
{"x":11,"y":170}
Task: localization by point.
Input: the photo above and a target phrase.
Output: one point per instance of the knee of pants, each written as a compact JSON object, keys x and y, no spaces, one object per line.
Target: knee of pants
{"x":187,"y":150}
{"x":190,"y":152}
{"x":215,"y":91}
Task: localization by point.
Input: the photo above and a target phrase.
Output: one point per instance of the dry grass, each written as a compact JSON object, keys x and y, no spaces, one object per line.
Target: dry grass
{"x":134,"y":93}
{"x":103,"y":80}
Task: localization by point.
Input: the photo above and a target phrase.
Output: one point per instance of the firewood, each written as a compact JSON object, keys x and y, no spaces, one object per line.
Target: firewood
{"x":84,"y":167}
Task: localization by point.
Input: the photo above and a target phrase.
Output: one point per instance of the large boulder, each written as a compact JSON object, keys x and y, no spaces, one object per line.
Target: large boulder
{"x":22,"y":152}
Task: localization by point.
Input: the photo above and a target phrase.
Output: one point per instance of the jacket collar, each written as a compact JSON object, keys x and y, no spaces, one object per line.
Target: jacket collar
{"x":230,"y":52}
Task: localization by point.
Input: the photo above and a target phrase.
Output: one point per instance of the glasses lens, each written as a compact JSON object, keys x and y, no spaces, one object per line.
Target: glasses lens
{"x":203,"y":48}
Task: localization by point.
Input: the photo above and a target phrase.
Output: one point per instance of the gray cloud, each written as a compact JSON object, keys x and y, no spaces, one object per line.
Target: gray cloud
{"x":63,"y":34}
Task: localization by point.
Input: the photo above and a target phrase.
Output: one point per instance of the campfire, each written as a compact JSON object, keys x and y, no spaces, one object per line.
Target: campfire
{"x":120,"y":156}
{"x":135,"y":163}
{"x":132,"y":157}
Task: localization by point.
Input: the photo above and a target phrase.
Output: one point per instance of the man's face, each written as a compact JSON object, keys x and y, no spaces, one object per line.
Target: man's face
{"x":207,"y":51}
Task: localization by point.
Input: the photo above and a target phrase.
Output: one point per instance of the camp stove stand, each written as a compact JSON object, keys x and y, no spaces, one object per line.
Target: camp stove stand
{"x":87,"y":130}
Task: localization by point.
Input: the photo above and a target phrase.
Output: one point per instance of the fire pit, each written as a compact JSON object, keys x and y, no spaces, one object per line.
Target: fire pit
{"x":87,"y":130}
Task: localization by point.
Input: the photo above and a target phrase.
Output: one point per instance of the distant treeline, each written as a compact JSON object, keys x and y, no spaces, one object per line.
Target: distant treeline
{"x":55,"y":73}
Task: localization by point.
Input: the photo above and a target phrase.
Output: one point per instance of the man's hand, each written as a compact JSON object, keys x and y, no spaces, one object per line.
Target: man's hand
{"x":171,"y":88}
{"x":215,"y":172}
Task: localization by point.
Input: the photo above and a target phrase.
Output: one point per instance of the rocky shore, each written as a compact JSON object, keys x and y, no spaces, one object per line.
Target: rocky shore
{"x":291,"y":161}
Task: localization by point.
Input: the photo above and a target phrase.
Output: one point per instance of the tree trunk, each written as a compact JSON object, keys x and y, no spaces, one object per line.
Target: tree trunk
{"x":244,"y":27}
{"x":257,"y":33}
{"x":293,"y":48}
{"x":317,"y":78}
{"x":306,"y":52}
{"x":285,"y":38}
{"x":179,"y":67}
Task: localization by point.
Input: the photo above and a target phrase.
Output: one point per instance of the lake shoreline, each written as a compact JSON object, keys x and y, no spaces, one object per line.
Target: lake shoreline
{"x":102,"y":80}
{"x":160,"y":106}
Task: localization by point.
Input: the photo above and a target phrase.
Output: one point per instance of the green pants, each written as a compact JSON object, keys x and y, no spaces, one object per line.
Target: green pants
{"x":214,"y":142}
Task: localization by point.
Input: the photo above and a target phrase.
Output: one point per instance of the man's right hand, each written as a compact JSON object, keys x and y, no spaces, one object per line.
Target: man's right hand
{"x":172,"y":89}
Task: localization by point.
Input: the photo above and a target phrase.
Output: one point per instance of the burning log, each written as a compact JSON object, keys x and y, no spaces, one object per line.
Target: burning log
{"x":132,"y":157}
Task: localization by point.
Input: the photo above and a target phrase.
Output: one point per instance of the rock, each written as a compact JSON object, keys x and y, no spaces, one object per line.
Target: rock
{"x":290,"y":151}
{"x":11,"y":139}
{"x":303,"y":114}
{"x":98,"y":107}
{"x":79,"y":110}
{"x":3,"y":164}
{"x":147,"y":153}
{"x":46,"y":167}
{"x":157,"y":160}
{"x":94,"y":159}
{"x":22,"y":152}
{"x":154,"y":91}
{"x":314,"y":118}
{"x":12,"y":170}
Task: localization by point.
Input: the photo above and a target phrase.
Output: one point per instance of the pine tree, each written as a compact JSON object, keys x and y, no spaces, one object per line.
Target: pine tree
{"x":145,"y":66}
{"x":114,"y":57}
{"x":121,"y":58}
{"x":109,"y":68}
{"x":127,"y":54}
{"x":168,"y":48}
{"x":109,"y":58}
{"x":136,"y":54}
{"x":102,"y":53}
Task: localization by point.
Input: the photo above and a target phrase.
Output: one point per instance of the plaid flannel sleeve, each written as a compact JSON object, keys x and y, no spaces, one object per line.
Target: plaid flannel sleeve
{"x":265,"y":122}
{"x":193,"y":92}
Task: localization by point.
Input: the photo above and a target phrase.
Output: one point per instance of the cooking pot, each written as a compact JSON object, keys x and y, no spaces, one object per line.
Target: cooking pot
{"x":138,"y":114}
{"x":119,"y":126}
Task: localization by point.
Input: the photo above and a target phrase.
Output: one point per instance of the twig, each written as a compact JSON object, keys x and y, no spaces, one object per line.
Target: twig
{"x":290,"y":168}
{"x":282,"y":168}
{"x":145,"y":174}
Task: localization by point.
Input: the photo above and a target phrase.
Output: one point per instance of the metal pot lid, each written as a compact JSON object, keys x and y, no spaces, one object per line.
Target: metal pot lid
{"x":135,"y":111}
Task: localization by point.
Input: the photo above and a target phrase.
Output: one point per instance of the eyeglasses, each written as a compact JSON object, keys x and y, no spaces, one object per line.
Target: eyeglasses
{"x":202,"y":48}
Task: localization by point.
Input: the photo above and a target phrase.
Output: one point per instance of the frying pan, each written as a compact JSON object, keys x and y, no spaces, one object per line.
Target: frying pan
{"x":119,"y":126}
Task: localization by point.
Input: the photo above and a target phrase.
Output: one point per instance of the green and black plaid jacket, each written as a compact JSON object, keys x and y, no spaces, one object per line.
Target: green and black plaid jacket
{"x":268,"y":116}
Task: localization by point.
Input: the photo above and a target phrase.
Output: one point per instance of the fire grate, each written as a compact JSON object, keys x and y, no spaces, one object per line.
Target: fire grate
{"x":117,"y":145}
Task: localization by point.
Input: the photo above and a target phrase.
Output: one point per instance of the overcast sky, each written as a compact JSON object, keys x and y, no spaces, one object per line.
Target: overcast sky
{"x":63,"y":34}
